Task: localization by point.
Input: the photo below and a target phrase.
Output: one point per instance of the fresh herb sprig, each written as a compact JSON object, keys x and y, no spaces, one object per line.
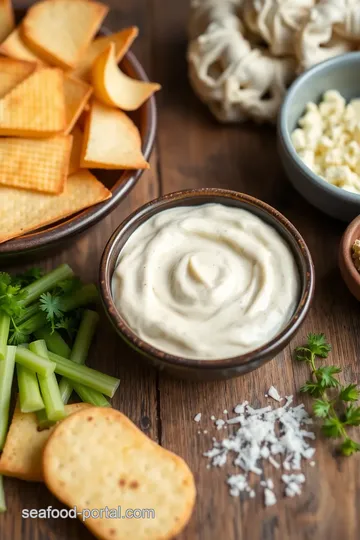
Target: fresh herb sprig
{"x":334,"y":403}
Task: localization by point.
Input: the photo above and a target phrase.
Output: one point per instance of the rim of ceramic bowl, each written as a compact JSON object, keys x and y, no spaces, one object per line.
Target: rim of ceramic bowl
{"x":78,"y":223}
{"x":307,"y":276}
{"x":352,"y":57}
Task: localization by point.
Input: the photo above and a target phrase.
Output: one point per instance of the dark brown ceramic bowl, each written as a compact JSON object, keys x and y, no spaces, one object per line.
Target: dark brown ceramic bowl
{"x":119,"y":182}
{"x":208,"y":369}
{"x":347,"y":268}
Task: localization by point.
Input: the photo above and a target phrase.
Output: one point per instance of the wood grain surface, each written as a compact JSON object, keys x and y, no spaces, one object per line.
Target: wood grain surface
{"x":194,"y":151}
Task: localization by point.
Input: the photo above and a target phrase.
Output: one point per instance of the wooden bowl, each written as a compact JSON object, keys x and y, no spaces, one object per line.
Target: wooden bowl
{"x":219,"y":368}
{"x":347,"y":267}
{"x":119,"y":182}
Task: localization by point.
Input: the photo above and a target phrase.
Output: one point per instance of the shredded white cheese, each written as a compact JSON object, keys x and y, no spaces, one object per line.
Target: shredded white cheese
{"x":279,"y":436}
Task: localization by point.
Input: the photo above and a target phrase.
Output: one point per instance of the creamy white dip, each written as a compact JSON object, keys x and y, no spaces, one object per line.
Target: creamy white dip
{"x":206,"y":281}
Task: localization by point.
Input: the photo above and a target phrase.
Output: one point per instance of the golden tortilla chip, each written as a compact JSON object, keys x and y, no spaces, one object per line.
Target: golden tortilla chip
{"x":12,"y":73}
{"x":22,"y":454}
{"x":36,"y":107}
{"x":75,"y":157}
{"x":22,"y":211}
{"x":61,"y":30}
{"x":114,"y":88}
{"x":15,"y":47}
{"x":123,"y":41}
{"x":7,"y":20}
{"x":111,"y":140}
{"x":98,"y":457}
{"x":77,"y":94}
{"x":40,"y":165}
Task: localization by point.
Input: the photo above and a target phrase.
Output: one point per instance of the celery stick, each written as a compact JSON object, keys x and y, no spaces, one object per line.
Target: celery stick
{"x":4,"y":334}
{"x":88,"y":294}
{"x":34,"y":362}
{"x":45,"y":283}
{"x":6,"y":377}
{"x":54,"y":406}
{"x":87,"y":395}
{"x":29,"y":391}
{"x":34,"y":323}
{"x":80,"y":348}
{"x":54,"y":342}
{"x":2,"y":496}
{"x":84,"y":375}
{"x":57,"y":345}
{"x":27,"y":314}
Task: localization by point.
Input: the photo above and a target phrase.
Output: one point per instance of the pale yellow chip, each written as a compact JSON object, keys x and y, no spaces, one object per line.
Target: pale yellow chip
{"x":36,"y":107}
{"x":40,"y":165}
{"x":75,"y":157}
{"x":123,"y":41}
{"x":114,"y":88}
{"x":7,"y":20}
{"x":97,"y":458}
{"x":12,"y":73}
{"x":77,"y":94}
{"x":61,"y":30}
{"x":111,"y":140}
{"x":15,"y":47}
{"x":22,"y":211}
{"x":22,"y":454}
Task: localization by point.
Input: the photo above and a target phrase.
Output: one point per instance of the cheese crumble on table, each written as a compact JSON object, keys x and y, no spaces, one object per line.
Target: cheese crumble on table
{"x":279,"y":436}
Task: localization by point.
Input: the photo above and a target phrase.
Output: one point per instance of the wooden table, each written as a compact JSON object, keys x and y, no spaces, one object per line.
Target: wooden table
{"x":194,"y":151}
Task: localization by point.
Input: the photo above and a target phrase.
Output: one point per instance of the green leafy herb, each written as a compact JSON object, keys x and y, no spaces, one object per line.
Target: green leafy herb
{"x":50,"y":304}
{"x":332,"y":398}
{"x":10,"y":294}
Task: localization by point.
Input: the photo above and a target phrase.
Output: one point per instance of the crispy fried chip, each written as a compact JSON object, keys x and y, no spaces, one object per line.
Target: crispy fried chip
{"x":97,"y":457}
{"x":22,"y":454}
{"x":22,"y":211}
{"x":15,"y":47}
{"x":61,"y":30}
{"x":13,"y":72}
{"x":40,"y":165}
{"x":76,"y":149}
{"x":123,"y":41}
{"x":77,"y":94}
{"x":36,"y":107}
{"x":7,"y":20}
{"x":111,"y":140}
{"x":114,"y":88}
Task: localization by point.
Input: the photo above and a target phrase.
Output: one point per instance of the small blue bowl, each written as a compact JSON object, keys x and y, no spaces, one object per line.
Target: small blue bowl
{"x":341,"y":73}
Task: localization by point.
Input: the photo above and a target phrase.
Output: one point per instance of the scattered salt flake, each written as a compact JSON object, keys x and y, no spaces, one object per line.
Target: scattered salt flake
{"x":270,"y":498}
{"x":205,"y":431}
{"x":220,"y":423}
{"x":273,"y":393}
{"x":212,"y":417}
{"x":199,"y":432}
{"x":274,"y":463}
{"x":237,"y":484}
{"x":252,"y":494}
{"x":312,"y":464}
{"x":197,"y":417}
{"x":293,"y":483}
{"x":273,"y":435}
{"x":235,"y":420}
{"x":225,"y":411}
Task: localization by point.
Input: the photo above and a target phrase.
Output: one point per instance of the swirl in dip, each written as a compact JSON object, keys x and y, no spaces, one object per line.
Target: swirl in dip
{"x":206,"y":282}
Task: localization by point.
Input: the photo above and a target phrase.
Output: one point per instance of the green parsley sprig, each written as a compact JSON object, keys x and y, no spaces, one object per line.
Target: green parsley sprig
{"x":334,"y":403}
